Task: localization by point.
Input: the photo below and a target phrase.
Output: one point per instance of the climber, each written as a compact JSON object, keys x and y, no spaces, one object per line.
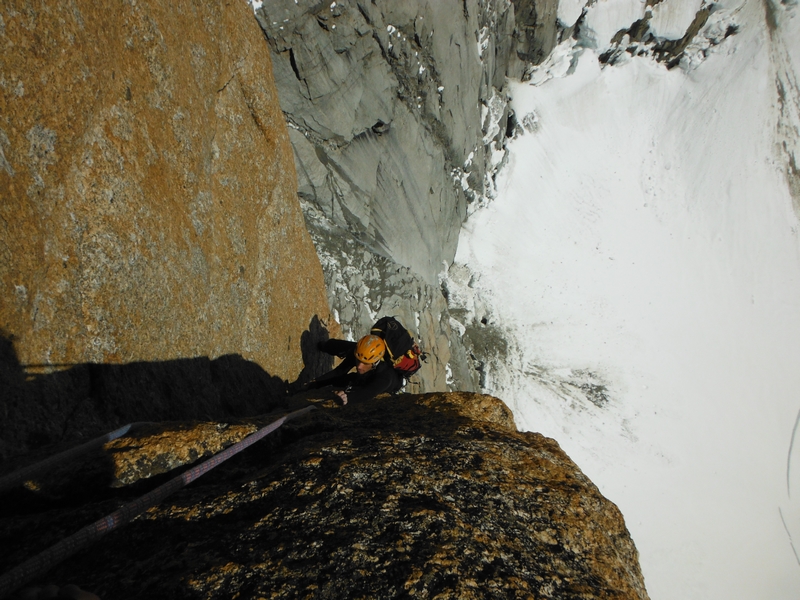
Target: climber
{"x":373,"y":375}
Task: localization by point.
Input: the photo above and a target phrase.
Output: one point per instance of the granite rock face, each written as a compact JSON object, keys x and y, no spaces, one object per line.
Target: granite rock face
{"x":384,"y":100}
{"x":421,"y":496}
{"x":148,"y":207}
{"x":398,"y":119}
{"x":363,"y":286}
{"x":536,"y":30}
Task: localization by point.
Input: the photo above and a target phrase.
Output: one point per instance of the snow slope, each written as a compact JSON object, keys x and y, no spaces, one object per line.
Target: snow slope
{"x":644,"y":253}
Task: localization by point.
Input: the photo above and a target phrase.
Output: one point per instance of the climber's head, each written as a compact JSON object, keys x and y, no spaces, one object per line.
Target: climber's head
{"x":369,"y":350}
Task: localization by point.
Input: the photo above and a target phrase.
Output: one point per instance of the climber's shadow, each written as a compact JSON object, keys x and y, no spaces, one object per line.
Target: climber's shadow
{"x":315,"y":362}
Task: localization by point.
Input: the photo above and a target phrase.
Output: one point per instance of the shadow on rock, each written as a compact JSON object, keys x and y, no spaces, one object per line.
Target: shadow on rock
{"x":54,"y":405}
{"x":316,"y":362}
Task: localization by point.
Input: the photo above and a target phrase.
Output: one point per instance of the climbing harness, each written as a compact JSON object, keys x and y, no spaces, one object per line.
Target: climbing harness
{"x":44,"y":561}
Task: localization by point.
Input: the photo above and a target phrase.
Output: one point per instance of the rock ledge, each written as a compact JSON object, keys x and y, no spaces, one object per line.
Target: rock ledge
{"x":424,"y":496}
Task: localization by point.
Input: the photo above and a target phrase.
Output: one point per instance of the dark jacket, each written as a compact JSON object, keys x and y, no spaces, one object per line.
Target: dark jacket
{"x":382,"y":378}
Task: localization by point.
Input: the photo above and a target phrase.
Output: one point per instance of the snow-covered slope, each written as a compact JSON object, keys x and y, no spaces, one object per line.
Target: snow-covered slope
{"x":643,"y":257}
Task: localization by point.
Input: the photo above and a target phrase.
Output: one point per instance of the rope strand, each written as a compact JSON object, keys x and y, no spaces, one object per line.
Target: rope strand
{"x":12,"y":480}
{"x":43,"y":562}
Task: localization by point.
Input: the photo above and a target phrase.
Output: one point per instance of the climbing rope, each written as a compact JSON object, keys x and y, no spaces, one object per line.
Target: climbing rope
{"x":17,"y":477}
{"x":44,"y":561}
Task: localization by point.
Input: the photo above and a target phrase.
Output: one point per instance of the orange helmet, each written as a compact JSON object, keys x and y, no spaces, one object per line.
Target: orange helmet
{"x":370,"y":349}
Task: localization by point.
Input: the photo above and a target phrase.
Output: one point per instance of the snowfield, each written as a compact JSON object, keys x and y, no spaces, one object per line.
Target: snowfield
{"x":643,"y":256}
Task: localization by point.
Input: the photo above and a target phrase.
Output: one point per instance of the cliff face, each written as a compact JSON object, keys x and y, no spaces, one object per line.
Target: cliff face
{"x":149,"y":206}
{"x":398,"y":120}
{"x":426,"y":496}
{"x":378,"y":122}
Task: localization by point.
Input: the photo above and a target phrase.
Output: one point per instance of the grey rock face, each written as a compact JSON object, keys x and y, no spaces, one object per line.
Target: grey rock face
{"x":383,"y":102}
{"x":536,"y":30}
{"x":398,"y":118}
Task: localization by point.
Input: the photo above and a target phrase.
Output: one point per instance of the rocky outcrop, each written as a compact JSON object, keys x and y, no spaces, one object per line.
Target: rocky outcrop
{"x":536,"y":30}
{"x":149,"y":207}
{"x":425,"y":496}
{"x":780,"y":17}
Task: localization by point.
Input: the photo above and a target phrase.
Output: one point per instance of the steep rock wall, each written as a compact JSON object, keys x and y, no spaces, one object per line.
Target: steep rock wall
{"x":149,"y":206}
{"x":398,"y":119}
{"x":536,"y":31}
{"x":379,"y":122}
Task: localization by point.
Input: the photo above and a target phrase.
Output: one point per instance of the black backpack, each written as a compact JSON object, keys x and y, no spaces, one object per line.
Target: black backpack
{"x":404,"y":353}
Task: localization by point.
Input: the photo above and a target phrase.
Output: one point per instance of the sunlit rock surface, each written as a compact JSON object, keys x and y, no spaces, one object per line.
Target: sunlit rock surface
{"x":149,"y":207}
{"x":421,"y":496}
